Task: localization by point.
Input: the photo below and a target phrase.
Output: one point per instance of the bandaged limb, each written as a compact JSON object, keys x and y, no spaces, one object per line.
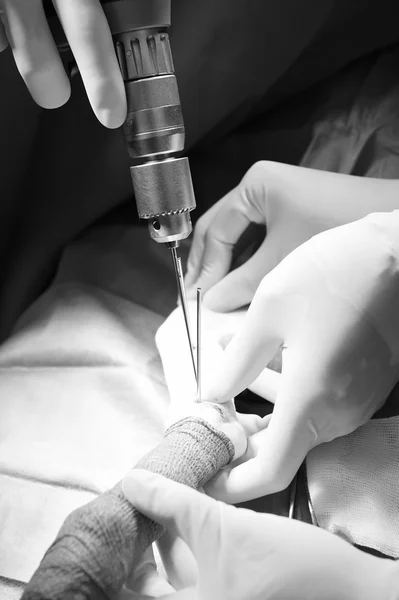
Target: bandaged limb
{"x":100,"y":543}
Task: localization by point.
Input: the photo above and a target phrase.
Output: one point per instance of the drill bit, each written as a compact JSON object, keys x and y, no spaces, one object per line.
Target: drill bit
{"x":292,"y":501}
{"x":199,"y":307}
{"x":183,"y":299}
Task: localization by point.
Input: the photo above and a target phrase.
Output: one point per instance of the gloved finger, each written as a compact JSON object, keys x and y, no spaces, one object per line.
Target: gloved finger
{"x":89,"y":37}
{"x":238,"y":287}
{"x":179,"y":375}
{"x":262,"y":474}
{"x":151,"y":583}
{"x":171,"y":341}
{"x":254,"y":443}
{"x":275,"y":454}
{"x":196,"y":251}
{"x":3,"y":35}
{"x":178,"y":561}
{"x":35,"y":52}
{"x":146,"y":580}
{"x":267,"y":385}
{"x":186,"y":594}
{"x":250,"y":350}
{"x":252,"y":423}
{"x":212,"y":248}
{"x":182,"y":510}
{"x":126,"y":594}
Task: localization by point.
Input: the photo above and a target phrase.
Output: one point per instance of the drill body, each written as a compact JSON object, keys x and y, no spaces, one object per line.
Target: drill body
{"x":154,"y":129}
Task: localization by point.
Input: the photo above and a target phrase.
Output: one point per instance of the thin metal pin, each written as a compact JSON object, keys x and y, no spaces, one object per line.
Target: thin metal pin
{"x":291,"y":511}
{"x":199,"y":342}
{"x":183,"y":298}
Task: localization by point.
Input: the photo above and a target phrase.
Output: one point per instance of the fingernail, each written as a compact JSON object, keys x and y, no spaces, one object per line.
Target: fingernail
{"x":45,"y":92}
{"x":111,"y":118}
{"x":109,"y":105}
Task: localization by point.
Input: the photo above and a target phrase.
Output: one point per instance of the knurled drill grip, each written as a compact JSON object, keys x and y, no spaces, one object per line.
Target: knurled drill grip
{"x":154,"y":128}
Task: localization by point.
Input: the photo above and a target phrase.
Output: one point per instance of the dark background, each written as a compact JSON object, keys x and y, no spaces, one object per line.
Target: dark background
{"x":254,"y":77}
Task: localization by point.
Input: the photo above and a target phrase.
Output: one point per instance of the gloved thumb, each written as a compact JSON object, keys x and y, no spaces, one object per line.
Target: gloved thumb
{"x":215,"y":237}
{"x":238,"y":287}
{"x":183,"y":511}
{"x":251,"y":348}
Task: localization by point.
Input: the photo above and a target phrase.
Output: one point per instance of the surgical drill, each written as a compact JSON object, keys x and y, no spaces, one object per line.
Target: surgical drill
{"x":154,"y":130}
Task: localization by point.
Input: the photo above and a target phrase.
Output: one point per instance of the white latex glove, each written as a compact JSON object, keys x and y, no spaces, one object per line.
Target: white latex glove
{"x":333,"y":304}
{"x":24,"y":26}
{"x":145,"y":580}
{"x":172,"y":344}
{"x":243,"y":555}
{"x":295,"y":203}
{"x":217,"y":330}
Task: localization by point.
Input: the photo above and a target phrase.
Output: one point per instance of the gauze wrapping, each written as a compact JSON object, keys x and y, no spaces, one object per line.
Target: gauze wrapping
{"x":354,"y":486}
{"x":100,"y":542}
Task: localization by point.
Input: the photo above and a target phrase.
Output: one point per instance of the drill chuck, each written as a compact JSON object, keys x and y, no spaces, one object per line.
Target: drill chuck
{"x":154,"y":129}
{"x":165,"y":196}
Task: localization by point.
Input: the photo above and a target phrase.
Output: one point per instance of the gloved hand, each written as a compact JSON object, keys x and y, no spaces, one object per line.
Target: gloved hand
{"x":26,"y":29}
{"x":243,"y":555}
{"x":171,"y":340}
{"x":172,"y":344}
{"x":333,"y":304}
{"x":145,"y":580}
{"x":295,"y":203}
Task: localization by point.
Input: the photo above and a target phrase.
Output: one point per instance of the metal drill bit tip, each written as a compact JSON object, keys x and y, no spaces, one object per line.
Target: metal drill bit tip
{"x":199,"y":343}
{"x":292,"y":505}
{"x":183,"y":300}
